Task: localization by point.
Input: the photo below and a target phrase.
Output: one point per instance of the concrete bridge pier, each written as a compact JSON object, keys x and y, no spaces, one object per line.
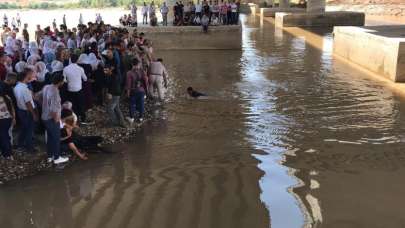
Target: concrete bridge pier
{"x":315,"y":16}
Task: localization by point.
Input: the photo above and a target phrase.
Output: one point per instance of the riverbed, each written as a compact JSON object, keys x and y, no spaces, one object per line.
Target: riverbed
{"x":290,"y":137}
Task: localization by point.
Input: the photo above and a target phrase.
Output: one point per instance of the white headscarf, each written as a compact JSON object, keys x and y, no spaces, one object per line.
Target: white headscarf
{"x":56,"y":66}
{"x":20,"y":66}
{"x":32,"y":60}
{"x":41,"y":71}
{"x":93,"y":61}
{"x":48,"y":46}
{"x":33,"y":48}
{"x":83,"y":59}
{"x":9,"y":47}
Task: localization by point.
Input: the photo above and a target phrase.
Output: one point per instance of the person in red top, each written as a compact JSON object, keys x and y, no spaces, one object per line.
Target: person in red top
{"x":3,"y":69}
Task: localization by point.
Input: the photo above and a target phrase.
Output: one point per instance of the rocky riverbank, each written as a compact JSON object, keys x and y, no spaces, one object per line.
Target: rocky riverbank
{"x":25,"y":165}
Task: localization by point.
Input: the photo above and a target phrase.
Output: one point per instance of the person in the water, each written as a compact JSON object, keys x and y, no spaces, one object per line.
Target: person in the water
{"x":192,"y":93}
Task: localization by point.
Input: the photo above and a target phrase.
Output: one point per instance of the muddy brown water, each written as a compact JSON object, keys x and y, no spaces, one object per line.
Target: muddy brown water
{"x":290,"y":137}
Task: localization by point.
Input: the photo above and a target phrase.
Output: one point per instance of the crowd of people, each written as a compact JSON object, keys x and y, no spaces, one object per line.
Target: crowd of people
{"x":203,"y":13}
{"x":50,"y":81}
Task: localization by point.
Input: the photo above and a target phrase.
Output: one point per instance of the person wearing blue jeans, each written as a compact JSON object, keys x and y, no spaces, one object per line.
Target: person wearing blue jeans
{"x":26,"y":133}
{"x":51,"y":117}
{"x":136,"y":86}
{"x":137,"y":103}
{"x":26,"y":111}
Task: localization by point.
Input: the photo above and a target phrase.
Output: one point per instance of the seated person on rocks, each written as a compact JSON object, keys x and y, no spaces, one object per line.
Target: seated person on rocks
{"x":194,"y":94}
{"x":70,"y":140}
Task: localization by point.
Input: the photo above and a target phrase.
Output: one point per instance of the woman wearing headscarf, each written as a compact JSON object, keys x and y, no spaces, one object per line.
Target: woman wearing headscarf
{"x":20,"y":66}
{"x":9,"y":47}
{"x":40,"y":69}
{"x":33,"y":59}
{"x":33,"y":48}
{"x":49,"y":52}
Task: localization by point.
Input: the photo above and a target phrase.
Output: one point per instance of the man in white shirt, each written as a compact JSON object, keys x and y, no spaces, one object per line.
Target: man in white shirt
{"x":164,"y":10}
{"x":26,"y":110}
{"x":157,"y":78}
{"x":74,"y":74}
{"x":234,"y":10}
{"x":198,"y":9}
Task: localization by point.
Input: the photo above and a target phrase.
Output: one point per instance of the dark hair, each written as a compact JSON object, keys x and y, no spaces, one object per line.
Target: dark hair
{"x":160,"y":60}
{"x":135,"y":61}
{"x":130,"y":44}
{"x":66,"y":113}
{"x":57,"y":78}
{"x":11,"y":76}
{"x":74,"y":58}
{"x":21,"y":76}
{"x":190,"y":88}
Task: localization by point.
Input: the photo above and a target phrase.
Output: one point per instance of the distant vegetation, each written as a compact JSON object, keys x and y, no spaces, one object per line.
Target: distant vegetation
{"x":69,"y":4}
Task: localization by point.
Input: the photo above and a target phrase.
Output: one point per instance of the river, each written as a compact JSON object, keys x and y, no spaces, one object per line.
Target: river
{"x":291,"y":137}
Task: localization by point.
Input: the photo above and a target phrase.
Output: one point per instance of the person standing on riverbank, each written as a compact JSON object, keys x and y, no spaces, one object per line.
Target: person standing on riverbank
{"x":134,"y":10}
{"x":152,"y":14}
{"x":7,"y":120}
{"x":18,"y":20}
{"x":3,"y":69}
{"x":198,"y":9}
{"x":136,"y":85}
{"x":51,"y":111}
{"x":5,"y":20}
{"x":157,"y":79}
{"x":13,"y":23}
{"x":145,"y":11}
{"x":113,"y":80}
{"x":26,"y":110}
{"x":164,"y":10}
{"x":74,"y":74}
{"x":81,"y":19}
{"x":64,"y":19}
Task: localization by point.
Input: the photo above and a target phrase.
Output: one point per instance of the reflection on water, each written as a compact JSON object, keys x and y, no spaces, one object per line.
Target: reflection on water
{"x":291,"y":138}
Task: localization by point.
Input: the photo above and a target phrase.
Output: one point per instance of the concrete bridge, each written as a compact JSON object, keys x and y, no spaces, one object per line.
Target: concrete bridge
{"x":313,"y":15}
